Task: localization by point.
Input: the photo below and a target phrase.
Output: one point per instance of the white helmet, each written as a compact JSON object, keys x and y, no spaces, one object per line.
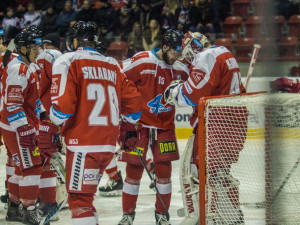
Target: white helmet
{"x":192,"y":44}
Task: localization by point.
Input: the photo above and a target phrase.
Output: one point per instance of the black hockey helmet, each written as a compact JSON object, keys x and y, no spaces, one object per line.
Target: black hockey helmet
{"x":173,"y":39}
{"x":34,"y":29}
{"x":26,"y":38}
{"x":83,"y":32}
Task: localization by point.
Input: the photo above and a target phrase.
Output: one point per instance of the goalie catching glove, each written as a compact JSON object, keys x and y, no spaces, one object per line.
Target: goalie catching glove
{"x":171,"y":92}
{"x":48,"y":138}
{"x":27,"y":136}
{"x":130,"y":134}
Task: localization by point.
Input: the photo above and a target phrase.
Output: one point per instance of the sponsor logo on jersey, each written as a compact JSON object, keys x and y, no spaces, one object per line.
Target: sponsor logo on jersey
{"x":187,"y":87}
{"x":77,"y":170}
{"x":156,"y":106}
{"x":16,"y":159}
{"x":26,"y":158}
{"x":99,"y":73}
{"x":134,"y":152}
{"x":73,"y":142}
{"x":189,"y":199}
{"x":14,"y":94}
{"x":55,"y":84}
{"x":36,"y":152}
{"x":12,"y":108}
{"x":167,"y":147}
{"x":197,"y":76}
{"x":91,"y":176}
{"x":15,"y":117}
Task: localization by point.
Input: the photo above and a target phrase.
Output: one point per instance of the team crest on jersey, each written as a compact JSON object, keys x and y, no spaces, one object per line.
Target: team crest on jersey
{"x":14,"y":94}
{"x":197,"y":76}
{"x":156,"y":106}
{"x":167,"y":147}
{"x":139,"y":56}
{"x":55,"y":84}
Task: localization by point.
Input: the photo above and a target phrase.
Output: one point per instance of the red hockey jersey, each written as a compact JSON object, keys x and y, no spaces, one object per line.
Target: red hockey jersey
{"x":20,"y":95}
{"x":88,"y":92}
{"x":45,"y":61}
{"x":152,"y":76}
{"x":213,"y":72}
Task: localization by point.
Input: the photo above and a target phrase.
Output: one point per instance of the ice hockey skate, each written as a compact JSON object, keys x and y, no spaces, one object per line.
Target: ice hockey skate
{"x":162,"y":218}
{"x":112,"y":187}
{"x":32,"y":216}
{"x":46,"y":208}
{"x":127,"y":219}
{"x":14,"y":211}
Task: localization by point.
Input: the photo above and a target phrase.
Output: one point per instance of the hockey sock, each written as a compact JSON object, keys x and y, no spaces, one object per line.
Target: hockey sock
{"x":113,"y":173}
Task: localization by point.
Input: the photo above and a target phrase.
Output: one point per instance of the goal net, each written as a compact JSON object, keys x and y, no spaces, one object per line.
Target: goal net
{"x":249,"y":151}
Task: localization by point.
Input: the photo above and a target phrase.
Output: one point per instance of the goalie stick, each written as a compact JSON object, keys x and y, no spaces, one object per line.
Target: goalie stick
{"x":252,"y":63}
{"x":151,"y":178}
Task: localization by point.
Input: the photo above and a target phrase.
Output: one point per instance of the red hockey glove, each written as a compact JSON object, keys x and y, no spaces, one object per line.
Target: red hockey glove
{"x":130,"y":134}
{"x":286,"y":85}
{"x":48,"y":138}
{"x":27,"y":136}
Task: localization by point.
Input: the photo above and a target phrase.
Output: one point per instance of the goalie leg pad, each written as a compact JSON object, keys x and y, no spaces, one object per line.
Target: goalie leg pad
{"x":225,"y":198}
{"x":189,"y":188}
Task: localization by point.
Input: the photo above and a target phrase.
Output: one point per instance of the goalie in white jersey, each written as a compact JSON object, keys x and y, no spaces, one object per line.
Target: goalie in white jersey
{"x":213,"y":72}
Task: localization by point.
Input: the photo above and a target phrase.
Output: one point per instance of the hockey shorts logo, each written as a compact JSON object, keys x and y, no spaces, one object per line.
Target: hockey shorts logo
{"x":91,"y":176}
{"x":167,"y":147}
{"x":14,"y":94}
{"x":36,"y":152}
{"x":134,"y":152}
{"x":16,"y":159}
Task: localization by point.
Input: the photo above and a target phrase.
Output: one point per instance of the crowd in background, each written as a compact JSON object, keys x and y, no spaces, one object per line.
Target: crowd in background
{"x":140,"y":23}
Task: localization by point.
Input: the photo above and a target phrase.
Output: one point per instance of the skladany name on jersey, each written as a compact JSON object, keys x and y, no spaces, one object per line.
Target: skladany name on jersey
{"x":91,"y":72}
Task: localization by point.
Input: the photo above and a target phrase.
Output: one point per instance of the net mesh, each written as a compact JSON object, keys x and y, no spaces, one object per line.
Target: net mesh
{"x":252,"y":154}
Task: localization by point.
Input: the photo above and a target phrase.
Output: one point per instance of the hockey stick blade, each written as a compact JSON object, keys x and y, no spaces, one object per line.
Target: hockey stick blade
{"x":54,"y":211}
{"x":151,"y":178}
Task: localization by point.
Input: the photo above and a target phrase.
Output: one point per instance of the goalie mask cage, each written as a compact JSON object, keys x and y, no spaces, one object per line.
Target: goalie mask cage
{"x":249,"y":149}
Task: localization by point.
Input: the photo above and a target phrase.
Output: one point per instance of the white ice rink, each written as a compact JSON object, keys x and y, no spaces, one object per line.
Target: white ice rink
{"x":110,"y":209}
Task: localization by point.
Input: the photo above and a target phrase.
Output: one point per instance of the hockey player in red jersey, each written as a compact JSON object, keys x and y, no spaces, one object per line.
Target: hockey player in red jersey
{"x":213,"y":71}
{"x":152,"y":71}
{"x":19,"y":121}
{"x":88,"y":92}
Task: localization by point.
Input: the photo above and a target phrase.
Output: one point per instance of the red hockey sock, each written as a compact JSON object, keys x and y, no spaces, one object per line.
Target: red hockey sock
{"x":113,"y":173}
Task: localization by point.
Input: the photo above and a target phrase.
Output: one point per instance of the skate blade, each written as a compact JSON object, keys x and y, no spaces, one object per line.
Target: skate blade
{"x":111,"y":193}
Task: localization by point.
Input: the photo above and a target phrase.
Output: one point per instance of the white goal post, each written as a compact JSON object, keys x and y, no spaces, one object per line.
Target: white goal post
{"x":249,"y":152}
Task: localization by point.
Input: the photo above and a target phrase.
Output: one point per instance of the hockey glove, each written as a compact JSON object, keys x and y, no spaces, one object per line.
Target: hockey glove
{"x":286,"y":85}
{"x":130,"y":134}
{"x":48,"y":138}
{"x":171,"y":92}
{"x":27,"y":136}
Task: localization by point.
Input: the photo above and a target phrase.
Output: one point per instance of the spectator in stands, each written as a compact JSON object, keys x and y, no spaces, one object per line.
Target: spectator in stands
{"x":21,"y":8}
{"x":208,"y":17}
{"x":166,"y":19}
{"x":10,"y":19}
{"x":106,"y":20}
{"x":157,"y":5}
{"x":225,"y":9}
{"x":32,"y":17}
{"x":118,"y":4}
{"x":68,"y":14}
{"x":152,"y":37}
{"x":86,"y":13}
{"x":124,"y":23}
{"x":58,"y":5}
{"x":146,"y":13}
{"x":185,"y":18}
{"x":135,"y":40}
{"x":287,"y":8}
{"x":48,"y":22}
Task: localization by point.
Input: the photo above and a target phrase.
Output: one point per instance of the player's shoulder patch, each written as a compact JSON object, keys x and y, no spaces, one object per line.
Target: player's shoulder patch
{"x":23,"y":69}
{"x":139,"y":56}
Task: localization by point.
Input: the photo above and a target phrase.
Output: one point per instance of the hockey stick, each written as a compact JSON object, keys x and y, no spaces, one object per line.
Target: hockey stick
{"x":252,"y":63}
{"x":285,"y":181}
{"x":151,"y":178}
{"x":54,"y":211}
{"x":10,"y":48}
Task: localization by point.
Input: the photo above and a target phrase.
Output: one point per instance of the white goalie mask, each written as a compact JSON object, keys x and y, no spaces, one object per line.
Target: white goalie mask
{"x":192,"y":44}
